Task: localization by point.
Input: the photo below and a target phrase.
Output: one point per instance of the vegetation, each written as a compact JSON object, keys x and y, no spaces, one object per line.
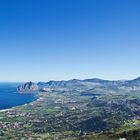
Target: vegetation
{"x":75,"y":114}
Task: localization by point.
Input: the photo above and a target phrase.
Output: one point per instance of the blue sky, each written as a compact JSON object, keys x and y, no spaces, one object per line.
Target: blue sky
{"x":41,"y":40}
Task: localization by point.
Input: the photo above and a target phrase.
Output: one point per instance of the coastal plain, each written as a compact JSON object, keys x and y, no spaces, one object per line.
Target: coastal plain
{"x":76,"y":110}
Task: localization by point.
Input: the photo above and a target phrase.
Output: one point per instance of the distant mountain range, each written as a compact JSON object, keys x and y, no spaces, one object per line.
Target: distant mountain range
{"x":89,"y":85}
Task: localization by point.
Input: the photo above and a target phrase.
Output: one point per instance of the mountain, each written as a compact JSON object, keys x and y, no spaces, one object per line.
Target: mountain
{"x":27,"y":87}
{"x":135,"y":82}
{"x":60,"y":83}
{"x":89,"y":85}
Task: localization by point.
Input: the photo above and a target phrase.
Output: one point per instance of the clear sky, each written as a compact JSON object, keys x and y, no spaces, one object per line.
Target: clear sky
{"x":41,"y":40}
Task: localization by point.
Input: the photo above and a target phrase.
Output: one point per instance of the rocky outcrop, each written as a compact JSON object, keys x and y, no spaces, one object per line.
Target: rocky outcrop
{"x":27,"y":87}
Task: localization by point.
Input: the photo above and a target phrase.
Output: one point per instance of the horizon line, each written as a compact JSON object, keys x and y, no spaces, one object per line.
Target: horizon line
{"x":36,"y":81}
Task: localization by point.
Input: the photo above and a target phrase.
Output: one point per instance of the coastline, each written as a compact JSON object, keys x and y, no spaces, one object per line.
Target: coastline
{"x":38,"y":98}
{"x":8,"y":109}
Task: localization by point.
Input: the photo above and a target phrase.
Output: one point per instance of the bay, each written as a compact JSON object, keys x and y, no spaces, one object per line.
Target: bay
{"x":9,"y":97}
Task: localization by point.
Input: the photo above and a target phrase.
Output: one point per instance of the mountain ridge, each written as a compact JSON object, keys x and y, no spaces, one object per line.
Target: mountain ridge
{"x":80,"y":84}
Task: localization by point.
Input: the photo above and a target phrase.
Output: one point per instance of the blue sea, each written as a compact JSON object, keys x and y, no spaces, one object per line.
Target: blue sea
{"x":9,"y":97}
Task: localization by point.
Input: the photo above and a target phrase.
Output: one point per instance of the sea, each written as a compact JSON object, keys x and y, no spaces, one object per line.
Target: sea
{"x":9,"y":97}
